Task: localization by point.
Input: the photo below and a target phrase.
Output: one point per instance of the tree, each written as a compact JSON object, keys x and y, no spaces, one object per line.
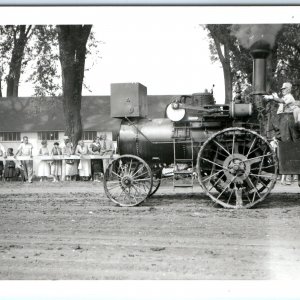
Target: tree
{"x":72,"y":53}
{"x":15,"y":41}
{"x":235,"y":59}
{"x":219,"y":34}
{"x":45,"y":75}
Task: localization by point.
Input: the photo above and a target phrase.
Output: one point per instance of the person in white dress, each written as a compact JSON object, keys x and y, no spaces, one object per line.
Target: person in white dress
{"x":84,"y":165}
{"x":70,"y":164}
{"x":56,"y":165}
{"x":44,"y":166}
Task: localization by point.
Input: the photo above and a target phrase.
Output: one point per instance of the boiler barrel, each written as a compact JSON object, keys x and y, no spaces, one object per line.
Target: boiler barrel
{"x":149,"y":139}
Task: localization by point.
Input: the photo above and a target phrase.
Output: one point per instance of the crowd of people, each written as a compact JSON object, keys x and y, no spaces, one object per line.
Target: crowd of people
{"x":57,"y":169}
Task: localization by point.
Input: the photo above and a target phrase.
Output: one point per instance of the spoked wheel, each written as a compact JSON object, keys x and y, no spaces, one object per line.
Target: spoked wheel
{"x":128,"y":180}
{"x":156,"y":182}
{"x":237,"y":168}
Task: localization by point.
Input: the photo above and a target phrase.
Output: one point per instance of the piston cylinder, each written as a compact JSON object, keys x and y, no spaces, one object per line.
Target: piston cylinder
{"x":240,"y":110}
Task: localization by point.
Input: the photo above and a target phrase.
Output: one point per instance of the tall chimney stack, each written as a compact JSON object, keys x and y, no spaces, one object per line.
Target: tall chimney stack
{"x":259,"y":51}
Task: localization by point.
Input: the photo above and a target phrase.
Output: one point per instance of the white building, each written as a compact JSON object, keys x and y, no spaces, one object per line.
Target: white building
{"x":43,"y":119}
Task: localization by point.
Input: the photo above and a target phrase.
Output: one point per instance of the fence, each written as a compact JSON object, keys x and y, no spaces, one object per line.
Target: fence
{"x":36,"y":159}
{"x":60,"y":157}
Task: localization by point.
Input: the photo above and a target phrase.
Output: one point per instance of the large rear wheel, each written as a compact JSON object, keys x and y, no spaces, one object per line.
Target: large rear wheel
{"x":237,"y":168}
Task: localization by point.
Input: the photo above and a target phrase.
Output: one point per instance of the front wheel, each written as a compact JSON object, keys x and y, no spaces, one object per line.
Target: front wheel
{"x":128,"y":180}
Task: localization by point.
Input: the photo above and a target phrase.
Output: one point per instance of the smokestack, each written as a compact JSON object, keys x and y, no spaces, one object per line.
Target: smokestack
{"x":259,"y":51}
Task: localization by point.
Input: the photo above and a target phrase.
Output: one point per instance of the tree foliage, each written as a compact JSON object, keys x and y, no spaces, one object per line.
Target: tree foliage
{"x":14,"y":53}
{"x":235,"y":59}
{"x":40,"y":66}
{"x":45,"y":75}
{"x":283,"y":63}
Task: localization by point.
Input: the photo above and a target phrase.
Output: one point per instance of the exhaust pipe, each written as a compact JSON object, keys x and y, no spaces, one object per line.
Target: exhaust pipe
{"x":259,"y":51}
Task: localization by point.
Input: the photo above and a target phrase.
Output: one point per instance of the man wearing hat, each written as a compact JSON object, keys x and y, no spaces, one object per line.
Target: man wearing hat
{"x":286,"y":117}
{"x":285,"y":112}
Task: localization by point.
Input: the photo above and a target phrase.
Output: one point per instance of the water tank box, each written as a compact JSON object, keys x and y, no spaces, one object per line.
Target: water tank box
{"x":128,"y":100}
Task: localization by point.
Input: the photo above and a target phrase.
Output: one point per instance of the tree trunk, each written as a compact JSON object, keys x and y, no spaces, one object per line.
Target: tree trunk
{"x":227,"y":81}
{"x":72,"y":48}
{"x":0,"y":85}
{"x":13,"y":77}
{"x":227,"y":71}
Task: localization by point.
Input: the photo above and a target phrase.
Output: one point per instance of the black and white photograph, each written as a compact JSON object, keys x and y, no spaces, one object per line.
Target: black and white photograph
{"x":150,"y":143}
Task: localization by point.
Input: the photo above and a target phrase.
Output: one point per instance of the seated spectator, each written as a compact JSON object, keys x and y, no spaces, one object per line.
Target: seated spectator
{"x":10,"y":166}
{"x":56,"y":165}
{"x":44,"y":166}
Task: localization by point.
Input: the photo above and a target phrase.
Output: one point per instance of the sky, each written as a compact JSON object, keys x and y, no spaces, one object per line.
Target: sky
{"x":166,"y":55}
{"x":164,"y":48}
{"x":165,"y":51}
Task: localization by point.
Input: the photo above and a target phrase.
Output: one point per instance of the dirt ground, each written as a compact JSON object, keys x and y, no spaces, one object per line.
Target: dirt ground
{"x":72,"y":231}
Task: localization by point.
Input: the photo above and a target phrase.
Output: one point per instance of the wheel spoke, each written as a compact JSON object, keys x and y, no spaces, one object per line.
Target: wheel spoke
{"x":254,"y":187}
{"x":257,"y":158}
{"x":221,"y":147}
{"x":141,"y":187}
{"x":114,"y":186}
{"x":142,"y":179}
{"x":231,"y":193}
{"x":254,"y":141}
{"x":130,"y":166}
{"x":141,"y":175}
{"x":212,"y":162}
{"x":272,"y":176}
{"x":227,"y":186}
{"x":256,"y":149}
{"x":141,"y":168}
{"x":233,"y":144}
{"x":214,"y":185}
{"x":263,"y":167}
{"x":116,"y":174}
{"x":212,"y":175}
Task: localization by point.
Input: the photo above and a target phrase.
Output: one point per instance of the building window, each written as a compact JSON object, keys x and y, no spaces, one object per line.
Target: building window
{"x":48,"y":135}
{"x":89,"y":135}
{"x":10,"y":136}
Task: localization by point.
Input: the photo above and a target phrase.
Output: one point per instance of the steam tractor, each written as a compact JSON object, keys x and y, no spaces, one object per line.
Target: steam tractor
{"x":235,"y":165}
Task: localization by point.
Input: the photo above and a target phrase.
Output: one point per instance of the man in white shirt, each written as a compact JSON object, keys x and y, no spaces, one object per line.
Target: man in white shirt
{"x":286,"y":119}
{"x":25,"y":149}
{"x":287,"y":106}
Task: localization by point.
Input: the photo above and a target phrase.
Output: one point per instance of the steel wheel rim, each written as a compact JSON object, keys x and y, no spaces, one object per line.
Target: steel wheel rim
{"x":128,"y":180}
{"x":242,"y":172}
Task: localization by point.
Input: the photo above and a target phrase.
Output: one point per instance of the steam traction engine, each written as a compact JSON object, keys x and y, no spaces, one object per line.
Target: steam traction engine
{"x":236,"y":166}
